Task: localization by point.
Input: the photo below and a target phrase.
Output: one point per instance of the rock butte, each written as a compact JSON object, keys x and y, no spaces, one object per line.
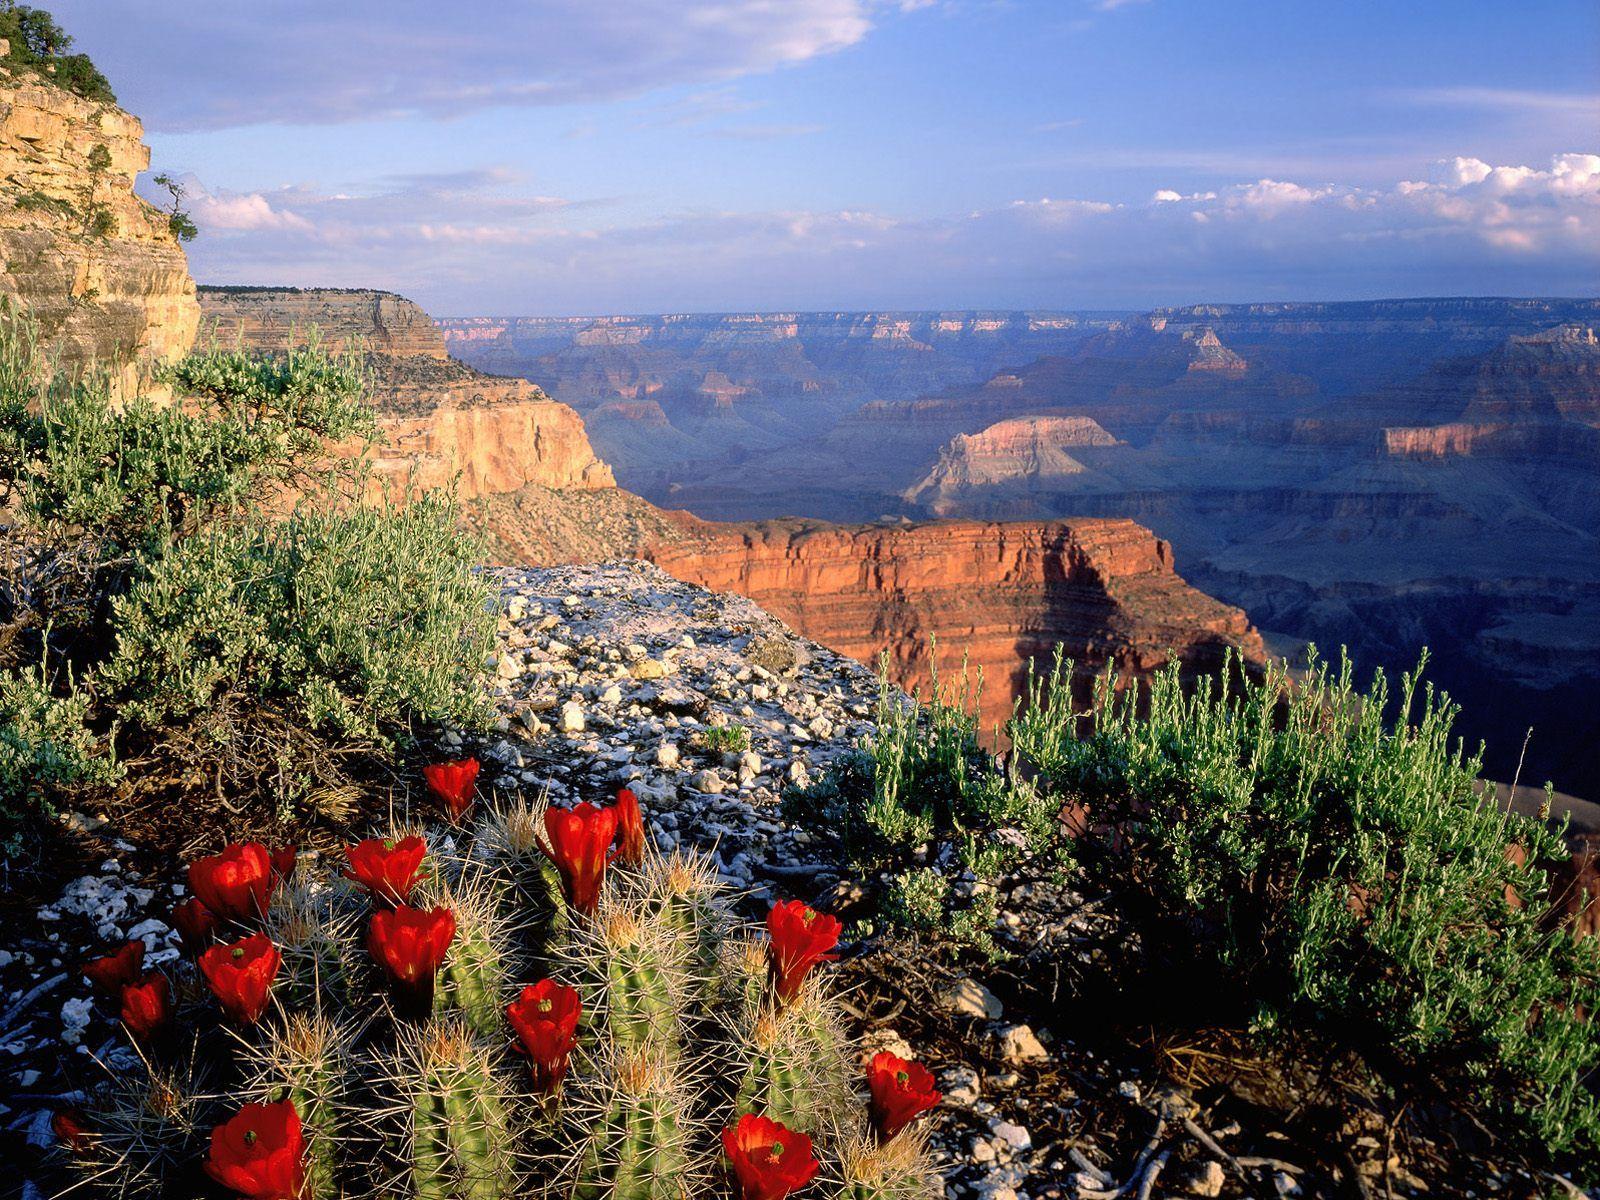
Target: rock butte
{"x":440,"y":418}
{"x":996,"y":596}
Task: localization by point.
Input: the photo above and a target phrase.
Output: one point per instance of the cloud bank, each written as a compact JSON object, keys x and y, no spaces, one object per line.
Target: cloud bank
{"x":471,"y":242}
{"x":188,"y":66}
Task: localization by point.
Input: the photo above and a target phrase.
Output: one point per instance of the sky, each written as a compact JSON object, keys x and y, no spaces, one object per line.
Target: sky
{"x":577,"y":157}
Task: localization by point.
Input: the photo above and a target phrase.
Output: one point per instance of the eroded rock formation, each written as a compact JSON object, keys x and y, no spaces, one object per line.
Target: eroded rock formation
{"x":996,"y":595}
{"x":441,"y":419}
{"x":1015,"y":457}
{"x":94,"y":265}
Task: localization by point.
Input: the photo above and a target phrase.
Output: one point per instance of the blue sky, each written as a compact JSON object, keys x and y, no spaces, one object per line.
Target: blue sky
{"x":584,"y":156}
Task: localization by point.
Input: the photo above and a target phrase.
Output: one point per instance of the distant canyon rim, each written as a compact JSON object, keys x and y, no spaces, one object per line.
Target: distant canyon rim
{"x":1380,"y":475}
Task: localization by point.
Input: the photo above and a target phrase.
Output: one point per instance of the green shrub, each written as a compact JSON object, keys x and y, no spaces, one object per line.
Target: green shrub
{"x":45,"y":746}
{"x":217,"y":627}
{"x":37,"y":43}
{"x":359,"y":622}
{"x":723,"y":739}
{"x":1328,"y":857}
{"x":920,"y":808}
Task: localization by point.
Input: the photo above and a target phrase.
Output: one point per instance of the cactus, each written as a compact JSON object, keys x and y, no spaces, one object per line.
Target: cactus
{"x":459,"y":1138}
{"x":306,"y":1058}
{"x":679,"y":1034}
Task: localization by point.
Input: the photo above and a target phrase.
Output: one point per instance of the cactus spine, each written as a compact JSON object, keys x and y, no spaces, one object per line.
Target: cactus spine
{"x":461,"y":1147}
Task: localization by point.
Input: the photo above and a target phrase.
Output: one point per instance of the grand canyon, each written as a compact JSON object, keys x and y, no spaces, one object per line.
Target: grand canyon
{"x":905,"y":700}
{"x":1379,"y":476}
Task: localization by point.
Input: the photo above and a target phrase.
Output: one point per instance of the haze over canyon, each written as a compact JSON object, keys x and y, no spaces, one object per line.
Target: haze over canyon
{"x":1382,"y":475}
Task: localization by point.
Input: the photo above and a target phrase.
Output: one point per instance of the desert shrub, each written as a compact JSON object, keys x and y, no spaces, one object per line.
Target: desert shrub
{"x":925,"y":811}
{"x":162,"y":555}
{"x":45,"y":747}
{"x":358,"y":622}
{"x":723,"y":739}
{"x":37,"y":43}
{"x":1327,"y":856}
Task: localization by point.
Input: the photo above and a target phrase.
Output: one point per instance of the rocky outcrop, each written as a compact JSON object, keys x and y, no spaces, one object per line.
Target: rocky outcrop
{"x":999,"y":596}
{"x":344,"y":318}
{"x":93,"y":264}
{"x":440,"y":418}
{"x":1011,"y":457}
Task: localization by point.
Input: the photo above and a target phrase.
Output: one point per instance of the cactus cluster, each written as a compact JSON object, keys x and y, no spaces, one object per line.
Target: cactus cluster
{"x":535,"y":1004}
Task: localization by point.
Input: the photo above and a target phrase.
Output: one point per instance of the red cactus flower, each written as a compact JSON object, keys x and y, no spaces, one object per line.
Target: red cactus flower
{"x":196,"y":925}
{"x":454,"y":783}
{"x":67,"y":1124}
{"x":580,"y":846}
{"x":801,"y":938}
{"x":630,"y":829}
{"x":236,"y":884}
{"x":241,"y":975}
{"x":410,"y":945}
{"x":147,"y":1006}
{"x":284,"y":862}
{"x":901,"y":1092}
{"x":388,"y":869}
{"x":111,"y":974}
{"x":546,"y":1017}
{"x":260,"y":1153}
{"x":769,"y":1159}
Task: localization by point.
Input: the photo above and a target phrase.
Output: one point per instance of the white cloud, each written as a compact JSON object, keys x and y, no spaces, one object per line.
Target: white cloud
{"x":183,"y":66}
{"x":471,"y":242}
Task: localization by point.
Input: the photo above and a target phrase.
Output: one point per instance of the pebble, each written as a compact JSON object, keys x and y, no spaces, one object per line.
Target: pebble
{"x":969,"y":998}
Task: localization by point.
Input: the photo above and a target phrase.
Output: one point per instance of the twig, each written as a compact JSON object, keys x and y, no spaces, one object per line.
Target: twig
{"x":1081,"y":1161}
{"x":1147,"y":1185}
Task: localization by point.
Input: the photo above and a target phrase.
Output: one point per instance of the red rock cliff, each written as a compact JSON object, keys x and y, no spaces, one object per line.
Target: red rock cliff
{"x":1003,"y":594}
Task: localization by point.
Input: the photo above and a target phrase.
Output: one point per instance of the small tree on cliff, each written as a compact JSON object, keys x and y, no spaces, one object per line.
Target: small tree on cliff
{"x":34,"y":41}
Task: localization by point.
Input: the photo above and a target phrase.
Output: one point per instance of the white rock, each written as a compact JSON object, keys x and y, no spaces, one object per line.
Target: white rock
{"x":1018,"y":1043}
{"x":75,"y":1015}
{"x":1014,"y":1136}
{"x":970,"y":998}
{"x":667,"y":756}
{"x":572,"y":718}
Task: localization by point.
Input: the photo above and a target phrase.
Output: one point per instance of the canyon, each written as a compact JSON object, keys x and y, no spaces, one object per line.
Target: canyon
{"x":1381,"y":475}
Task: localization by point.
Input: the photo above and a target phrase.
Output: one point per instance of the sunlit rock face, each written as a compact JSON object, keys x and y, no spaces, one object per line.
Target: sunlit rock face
{"x":441,"y":419}
{"x":95,"y":266}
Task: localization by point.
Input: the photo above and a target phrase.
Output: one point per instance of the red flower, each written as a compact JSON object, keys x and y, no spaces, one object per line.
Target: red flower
{"x":236,"y":884}
{"x":801,"y":938}
{"x":769,"y":1159}
{"x":901,"y":1092}
{"x":147,"y":1006}
{"x":410,"y":945}
{"x":196,"y":924}
{"x":111,"y":974}
{"x":260,"y":1153}
{"x":580,"y":846}
{"x":545,"y":1017}
{"x":241,"y":976}
{"x":67,"y":1125}
{"x":284,"y":862}
{"x":630,"y":829}
{"x":453,"y":782}
{"x":388,"y":869}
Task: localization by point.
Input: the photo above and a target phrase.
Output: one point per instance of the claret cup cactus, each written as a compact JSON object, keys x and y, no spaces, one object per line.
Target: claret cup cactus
{"x":535,"y":1005}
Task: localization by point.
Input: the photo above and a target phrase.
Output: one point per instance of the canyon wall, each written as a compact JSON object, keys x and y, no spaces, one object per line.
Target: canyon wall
{"x":1000,"y":596}
{"x":94,"y":265}
{"x":440,"y":419}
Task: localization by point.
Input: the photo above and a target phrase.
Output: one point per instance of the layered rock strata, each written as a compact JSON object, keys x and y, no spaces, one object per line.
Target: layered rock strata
{"x":998,"y":597}
{"x":94,"y":265}
{"x":440,"y":419}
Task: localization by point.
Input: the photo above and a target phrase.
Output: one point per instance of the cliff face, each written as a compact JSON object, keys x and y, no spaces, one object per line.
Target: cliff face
{"x":440,"y":418}
{"x":1002,"y":595}
{"x":271,"y":318}
{"x":95,"y":266}
{"x":1015,"y":457}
